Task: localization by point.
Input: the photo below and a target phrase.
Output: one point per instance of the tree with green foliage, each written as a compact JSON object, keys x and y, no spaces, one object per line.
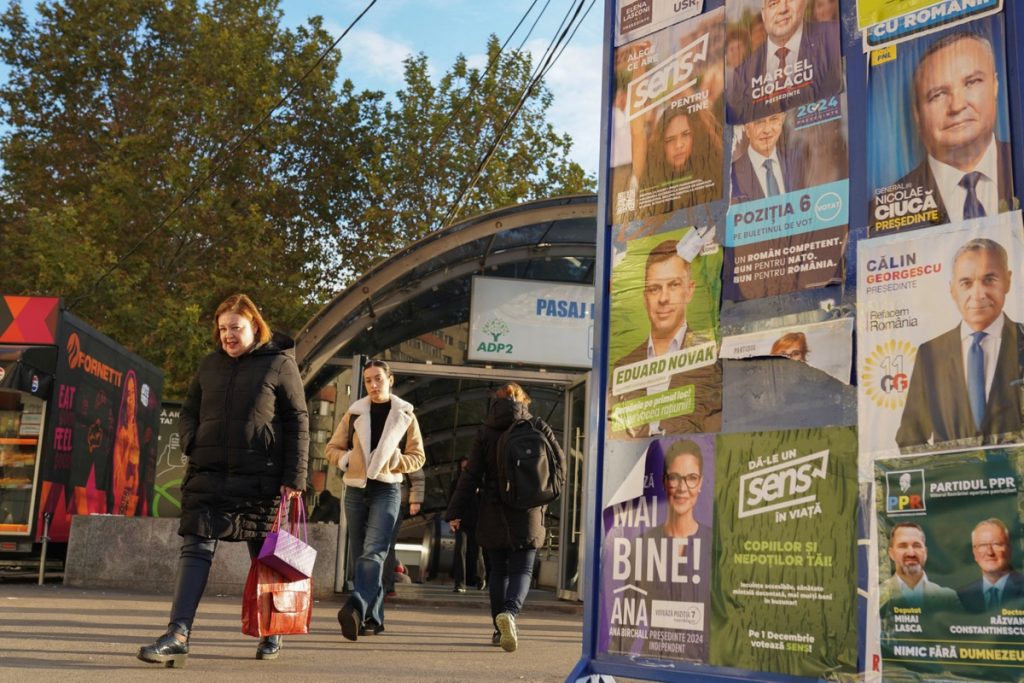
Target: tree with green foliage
{"x":137,"y":184}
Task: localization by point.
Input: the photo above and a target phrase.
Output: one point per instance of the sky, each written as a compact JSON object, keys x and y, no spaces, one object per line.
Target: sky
{"x":442,"y":29}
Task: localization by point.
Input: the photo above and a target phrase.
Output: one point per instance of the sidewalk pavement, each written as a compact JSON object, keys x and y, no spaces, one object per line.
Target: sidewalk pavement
{"x":59,"y":633}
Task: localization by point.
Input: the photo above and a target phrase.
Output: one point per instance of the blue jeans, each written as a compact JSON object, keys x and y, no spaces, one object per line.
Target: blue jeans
{"x":371,"y":514}
{"x":511,"y":572}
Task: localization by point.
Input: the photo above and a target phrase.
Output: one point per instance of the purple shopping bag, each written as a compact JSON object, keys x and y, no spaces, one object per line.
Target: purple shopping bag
{"x":284,"y":551}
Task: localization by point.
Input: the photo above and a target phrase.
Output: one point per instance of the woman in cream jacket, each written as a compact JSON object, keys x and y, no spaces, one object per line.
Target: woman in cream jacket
{"x":377,"y":441}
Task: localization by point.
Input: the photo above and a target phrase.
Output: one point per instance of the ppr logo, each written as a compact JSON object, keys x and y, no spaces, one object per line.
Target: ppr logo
{"x":904,"y":494}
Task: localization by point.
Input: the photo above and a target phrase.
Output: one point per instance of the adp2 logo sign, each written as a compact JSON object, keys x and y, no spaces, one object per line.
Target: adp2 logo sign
{"x":904,"y":492}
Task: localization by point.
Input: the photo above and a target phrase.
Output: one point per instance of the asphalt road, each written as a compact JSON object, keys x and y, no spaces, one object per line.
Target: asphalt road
{"x":58,"y":633}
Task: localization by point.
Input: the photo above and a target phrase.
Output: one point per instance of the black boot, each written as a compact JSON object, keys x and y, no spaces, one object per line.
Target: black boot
{"x":269,"y":647}
{"x":170,"y":649}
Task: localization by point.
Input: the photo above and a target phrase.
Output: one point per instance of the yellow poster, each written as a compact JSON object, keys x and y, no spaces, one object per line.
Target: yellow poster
{"x":876,"y":11}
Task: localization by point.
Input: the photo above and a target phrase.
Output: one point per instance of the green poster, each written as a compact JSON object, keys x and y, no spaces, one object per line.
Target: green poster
{"x":951,"y":598}
{"x":784,"y":577}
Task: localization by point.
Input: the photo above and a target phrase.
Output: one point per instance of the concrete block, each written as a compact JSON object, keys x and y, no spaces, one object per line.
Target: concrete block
{"x":141,"y":553}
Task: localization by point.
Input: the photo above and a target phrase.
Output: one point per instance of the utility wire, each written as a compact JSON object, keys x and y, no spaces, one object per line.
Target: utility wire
{"x":547,"y":61}
{"x":220,"y":160}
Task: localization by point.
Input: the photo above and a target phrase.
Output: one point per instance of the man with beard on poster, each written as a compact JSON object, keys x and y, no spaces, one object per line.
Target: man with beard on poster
{"x":965,"y":384}
{"x":966,"y":173}
{"x":763,"y":167}
{"x":797,"y":64}
{"x":667,"y":290}
{"x":1000,"y":585}
{"x":909,"y":585}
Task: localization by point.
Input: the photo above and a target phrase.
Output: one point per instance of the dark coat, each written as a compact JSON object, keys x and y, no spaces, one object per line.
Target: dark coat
{"x":938,"y":410}
{"x":245,"y":430}
{"x":745,"y":185}
{"x":921,"y":177}
{"x":328,"y":508}
{"x":499,"y":526}
{"x":820,"y":46}
{"x":973,"y":599}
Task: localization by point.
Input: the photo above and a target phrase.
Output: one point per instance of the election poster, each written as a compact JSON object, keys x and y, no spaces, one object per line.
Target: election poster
{"x":906,"y":19}
{"x":667,"y":120}
{"x":637,"y":18}
{"x":938,"y":129}
{"x":665,"y":376}
{"x":827,"y":345}
{"x":950,"y":598}
{"x":940,"y":342}
{"x":788,"y":218}
{"x":656,"y":573}
{"x":783,"y":586}
{"x":780,"y":55}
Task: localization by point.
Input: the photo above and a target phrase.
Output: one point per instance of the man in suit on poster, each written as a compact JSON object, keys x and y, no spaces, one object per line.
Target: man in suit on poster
{"x":964,"y":390}
{"x":763,"y":167}
{"x":668,"y":289}
{"x":799,"y":63}
{"x":967,"y":172}
{"x":909,"y":585}
{"x":1000,"y":585}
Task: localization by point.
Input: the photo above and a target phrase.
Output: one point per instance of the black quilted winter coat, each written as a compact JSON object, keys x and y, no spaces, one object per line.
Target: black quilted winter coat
{"x":245,"y":430}
{"x":499,"y":526}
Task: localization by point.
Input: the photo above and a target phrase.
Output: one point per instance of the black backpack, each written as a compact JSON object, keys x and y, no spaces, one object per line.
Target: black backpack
{"x":529,"y":471}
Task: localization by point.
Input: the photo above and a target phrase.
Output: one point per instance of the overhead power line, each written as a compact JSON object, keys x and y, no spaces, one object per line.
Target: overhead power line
{"x":220,"y":160}
{"x":567,"y":29}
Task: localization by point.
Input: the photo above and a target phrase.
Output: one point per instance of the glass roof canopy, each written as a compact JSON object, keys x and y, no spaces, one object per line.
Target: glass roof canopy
{"x":426,"y":286}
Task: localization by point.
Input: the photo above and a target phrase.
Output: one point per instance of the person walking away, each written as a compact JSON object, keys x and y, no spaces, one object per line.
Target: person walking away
{"x":245,"y":430}
{"x":510,"y":536}
{"x":377,"y":441}
{"x":467,"y":550}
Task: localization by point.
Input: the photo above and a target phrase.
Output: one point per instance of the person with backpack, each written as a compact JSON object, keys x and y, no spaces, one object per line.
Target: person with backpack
{"x":519,"y":467}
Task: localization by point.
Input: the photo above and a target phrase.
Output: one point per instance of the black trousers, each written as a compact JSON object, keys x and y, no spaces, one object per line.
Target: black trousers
{"x":193,"y":572}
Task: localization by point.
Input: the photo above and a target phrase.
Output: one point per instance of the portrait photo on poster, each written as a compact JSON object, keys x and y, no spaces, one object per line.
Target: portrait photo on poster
{"x":950,"y":589}
{"x":939,"y":129}
{"x":786,"y":228}
{"x":664,"y":376}
{"x":783,"y":53}
{"x":827,"y":345}
{"x":656,"y":577}
{"x":667,"y":120}
{"x":940,"y":339}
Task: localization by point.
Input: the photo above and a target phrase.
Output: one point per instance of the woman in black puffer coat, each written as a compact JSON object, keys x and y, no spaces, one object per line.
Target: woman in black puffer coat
{"x":510,"y":536}
{"x":245,"y":430}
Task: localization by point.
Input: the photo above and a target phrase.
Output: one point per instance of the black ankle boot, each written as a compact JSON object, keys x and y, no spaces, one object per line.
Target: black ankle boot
{"x":167,"y":650}
{"x":269,"y":647}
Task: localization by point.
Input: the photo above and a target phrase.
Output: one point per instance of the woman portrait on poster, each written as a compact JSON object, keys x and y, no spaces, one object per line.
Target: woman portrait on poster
{"x":792,"y":345}
{"x":125,"y":487}
{"x":684,"y":160}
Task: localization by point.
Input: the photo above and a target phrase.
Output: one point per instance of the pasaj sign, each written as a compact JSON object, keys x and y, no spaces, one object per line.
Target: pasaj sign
{"x":533,"y":322}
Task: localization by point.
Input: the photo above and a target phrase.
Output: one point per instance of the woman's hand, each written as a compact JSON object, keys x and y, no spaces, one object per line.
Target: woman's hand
{"x":287,"y":493}
{"x":454,"y":524}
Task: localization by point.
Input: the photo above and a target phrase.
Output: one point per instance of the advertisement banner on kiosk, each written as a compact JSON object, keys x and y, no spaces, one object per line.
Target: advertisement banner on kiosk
{"x":783,"y":579}
{"x":104,"y":414}
{"x":667,"y":120}
{"x":787,"y":222}
{"x":787,"y":54}
{"x":921,"y":299}
{"x":665,"y":376}
{"x":656,"y":576}
{"x":951,"y":598}
{"x":933,"y":160}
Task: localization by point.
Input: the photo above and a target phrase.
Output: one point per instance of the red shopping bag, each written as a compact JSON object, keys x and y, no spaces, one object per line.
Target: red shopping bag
{"x":274,"y":606}
{"x":284,"y":551}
